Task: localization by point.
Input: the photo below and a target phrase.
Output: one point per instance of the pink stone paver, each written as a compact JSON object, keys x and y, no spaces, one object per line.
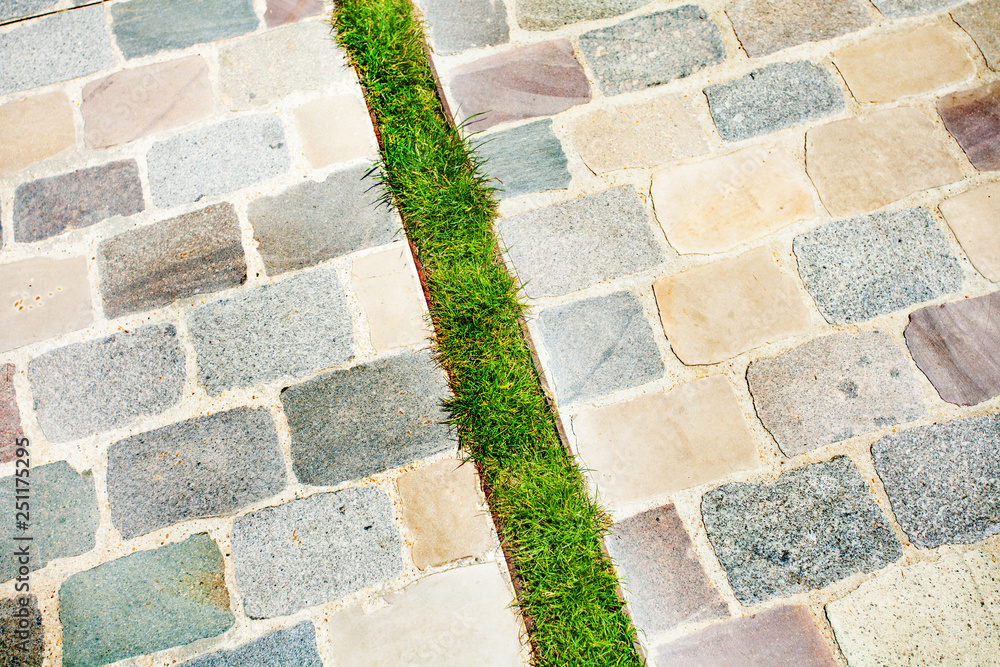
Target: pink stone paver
{"x":973,"y":118}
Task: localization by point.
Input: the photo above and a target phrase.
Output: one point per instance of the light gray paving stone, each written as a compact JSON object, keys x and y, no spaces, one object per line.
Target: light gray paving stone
{"x":293,"y":647}
{"x":20,"y":9}
{"x":10,"y":414}
{"x":895,"y":9}
{"x":552,"y":14}
{"x":458,"y":25}
{"x":528,"y":158}
{"x":22,"y":635}
{"x":982,"y":21}
{"x":766,"y":26}
{"x":144,"y":27}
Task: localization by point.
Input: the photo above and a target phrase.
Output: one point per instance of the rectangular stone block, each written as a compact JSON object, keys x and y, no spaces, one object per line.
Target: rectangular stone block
{"x":280,"y":12}
{"x":27,"y":643}
{"x":974,"y":217}
{"x":34,"y":129}
{"x":13,"y":10}
{"x":335,"y":129}
{"x":525,"y":159}
{"x":144,"y":27}
{"x":973,"y":118}
{"x":982,"y":21}
{"x":552,"y":14}
{"x":293,"y":647}
{"x":458,"y":25}
{"x":895,"y":9}
{"x":766,"y":26}
{"x":386,"y":284}
{"x":45,"y":298}
{"x":10,"y":416}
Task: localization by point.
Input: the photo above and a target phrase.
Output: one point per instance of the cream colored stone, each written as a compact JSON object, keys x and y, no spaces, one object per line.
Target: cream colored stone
{"x":664,"y":442}
{"x":974,"y":216}
{"x":335,"y":129}
{"x":34,"y":129}
{"x":859,"y":165}
{"x":716,"y":205}
{"x":43,"y":298}
{"x":387,"y":286}
{"x":887,"y":67}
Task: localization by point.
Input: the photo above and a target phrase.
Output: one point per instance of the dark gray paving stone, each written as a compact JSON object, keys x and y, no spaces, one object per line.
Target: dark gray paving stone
{"x":895,"y":9}
{"x":22,"y":634}
{"x":525,"y":159}
{"x":10,"y":415}
{"x":834,"y":388}
{"x":807,"y":529}
{"x":280,"y":12}
{"x":599,"y":345}
{"x":863,"y":267}
{"x":973,"y":118}
{"x":143,"y":27}
{"x":569,"y":246}
{"x":943,"y":481}
{"x":552,"y":14}
{"x":458,"y":25}
{"x":651,"y":50}
{"x":202,"y":467}
{"x":353,"y":423}
{"x":51,"y":206}
{"x":955,"y":345}
{"x":982,"y":21}
{"x":294,"y":647}
{"x":772,"y":98}
{"x":106,"y":383}
{"x":288,"y":329}
{"x":314,"y":550}
{"x":144,"y":602}
{"x":766,"y":26}
{"x":217,"y":159}
{"x":312,"y":222}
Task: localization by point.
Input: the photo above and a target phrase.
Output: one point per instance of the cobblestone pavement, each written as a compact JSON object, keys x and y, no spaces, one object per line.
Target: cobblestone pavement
{"x":216,"y":343}
{"x":761,"y":241}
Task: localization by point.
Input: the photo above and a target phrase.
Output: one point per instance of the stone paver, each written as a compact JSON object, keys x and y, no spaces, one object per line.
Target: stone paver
{"x":351,"y":137}
{"x":974,"y":217}
{"x":706,"y":323}
{"x":653,"y":49}
{"x":314,"y":550}
{"x":280,"y":12}
{"x":350,"y":424}
{"x":718,"y":204}
{"x":10,"y":416}
{"x":982,"y":21}
{"x":525,"y":159}
{"x":34,"y":129}
{"x":552,"y":14}
{"x":20,"y":9}
{"x":973,"y":118}
{"x":811,"y":527}
{"x":864,"y":267}
{"x":457,"y":25}
{"x":834,"y":388}
{"x":21,"y":631}
{"x":294,"y":647}
{"x":901,"y":8}
{"x":43,"y":298}
{"x":386,"y":284}
{"x":664,"y":442}
{"x":766,"y":26}
{"x":144,"y":27}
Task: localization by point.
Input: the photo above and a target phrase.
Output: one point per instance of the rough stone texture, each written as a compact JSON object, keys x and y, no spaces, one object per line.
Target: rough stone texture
{"x":12,"y":645}
{"x":288,"y":329}
{"x":706,"y":325}
{"x":528,"y":158}
{"x":335,"y":129}
{"x":195,"y":253}
{"x":34,"y":129}
{"x":569,"y":246}
{"x":353,"y":423}
{"x":810,"y":527}
{"x":106,"y":383}
{"x":280,"y":12}
{"x":314,"y":550}
{"x":459,"y":617}
{"x":864,"y":267}
{"x":10,"y":416}
{"x":664,"y":582}
{"x":974,"y":216}
{"x":834,"y":388}
{"x":660,"y":443}
{"x":143,"y":27}
{"x":208,"y":466}
{"x":312,"y":222}
{"x":134,"y":103}
{"x":941,"y":613}
{"x":783,"y":635}
{"x":653,"y":49}
{"x":440,"y":507}
{"x":386,"y":284}
{"x":599,"y":345}
{"x":716,"y":205}
{"x":457,"y":25}
{"x":552,"y":14}
{"x":11,"y":10}
{"x":766,"y":26}
{"x":144,"y":602}
{"x":44,"y":297}
{"x":897,"y":150}
{"x":887,"y":67}
{"x":216,"y":159}
{"x":58,"y":47}
{"x":895,"y":9}
{"x":944,"y":480}
{"x":772,"y":98}
{"x":535,"y":80}
{"x":293,"y":647}
{"x":982,"y":21}
{"x":973,"y":118}
{"x":51,"y":206}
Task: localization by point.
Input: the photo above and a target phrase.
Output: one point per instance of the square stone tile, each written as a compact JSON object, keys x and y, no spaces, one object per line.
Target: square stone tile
{"x":552,"y":14}
{"x":766,"y":26}
{"x":280,"y":12}
{"x":145,"y":27}
{"x":386,"y":284}
{"x":982,"y":21}
{"x":895,"y":9}
{"x":525,"y":159}
{"x":292,"y":647}
{"x":10,"y":416}
{"x":973,"y":118}
{"x":458,"y":25}
{"x":335,"y":129}
{"x":44,"y":298}
{"x":34,"y":129}
{"x":974,"y":217}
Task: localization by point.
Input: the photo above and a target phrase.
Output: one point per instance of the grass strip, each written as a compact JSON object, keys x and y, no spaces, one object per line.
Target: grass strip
{"x":550,"y":527}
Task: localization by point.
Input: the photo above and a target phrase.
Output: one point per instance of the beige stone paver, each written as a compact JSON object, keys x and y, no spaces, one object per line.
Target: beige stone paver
{"x":34,"y":129}
{"x":348,"y":116}
{"x":974,"y":216}
{"x":42,"y":298}
{"x":387,"y":286}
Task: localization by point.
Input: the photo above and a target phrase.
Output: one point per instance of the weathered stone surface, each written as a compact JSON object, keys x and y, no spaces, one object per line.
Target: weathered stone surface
{"x":143,"y":27}
{"x":288,"y":329}
{"x":34,"y":129}
{"x":834,"y":388}
{"x":10,"y":416}
{"x":106,"y":383}
{"x":716,"y":205}
{"x":440,"y":506}
{"x":811,"y":527}
{"x":457,"y":25}
{"x":599,"y":345}
{"x":280,"y":12}
{"x":569,"y":246}
{"x":705,"y":325}
{"x":973,"y":118}
{"x":524,"y":159}
{"x":653,"y":49}
{"x":312,"y":222}
{"x":138,"y":102}
{"x":766,"y":26}
{"x":895,"y":9}
{"x":314,"y":550}
{"x":353,"y":423}
{"x":58,"y":47}
{"x":202,"y":467}
{"x":335,"y":129}
{"x":293,"y":647}
{"x":195,"y":253}
{"x":144,"y":602}
{"x":535,"y":80}
{"x":982,"y":21}
{"x":974,"y":216}
{"x":12,"y":10}
{"x":386,"y":284}
{"x":660,"y":443}
{"x":772,"y":98}
{"x":217,"y":159}
{"x":552,"y":14}
{"x":44,"y":297}
{"x":459,"y":617}
{"x":864,"y":267}
{"x":21,"y":614}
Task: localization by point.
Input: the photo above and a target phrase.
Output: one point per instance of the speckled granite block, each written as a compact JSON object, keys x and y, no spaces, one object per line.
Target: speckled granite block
{"x":524,"y":159}
{"x":766,"y":26}
{"x":895,"y":9}
{"x":552,"y":14}
{"x":973,"y":118}
{"x":982,"y":21}
{"x":22,"y":635}
{"x":280,"y":12}
{"x":10,"y":416}
{"x":293,"y":647}
{"x":144,"y":27}
{"x":458,"y":25}
{"x":19,"y":9}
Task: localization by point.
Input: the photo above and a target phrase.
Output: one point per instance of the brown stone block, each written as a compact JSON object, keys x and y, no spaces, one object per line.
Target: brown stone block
{"x":973,"y":118}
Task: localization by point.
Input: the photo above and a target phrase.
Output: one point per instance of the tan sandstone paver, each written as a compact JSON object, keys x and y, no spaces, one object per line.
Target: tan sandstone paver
{"x":335,"y":129}
{"x":387,"y":286}
{"x":974,"y":216}
{"x":42,"y":298}
{"x":34,"y":129}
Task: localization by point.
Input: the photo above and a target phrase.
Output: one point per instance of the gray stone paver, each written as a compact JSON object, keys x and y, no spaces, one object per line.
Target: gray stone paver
{"x":10,"y":414}
{"x":294,"y":647}
{"x":21,"y":631}
{"x":528,"y":158}
{"x":766,"y":26}
{"x":458,"y":25}
{"x":144,"y":27}
{"x":903,"y":8}
{"x":982,"y":21}
{"x":552,"y":14}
